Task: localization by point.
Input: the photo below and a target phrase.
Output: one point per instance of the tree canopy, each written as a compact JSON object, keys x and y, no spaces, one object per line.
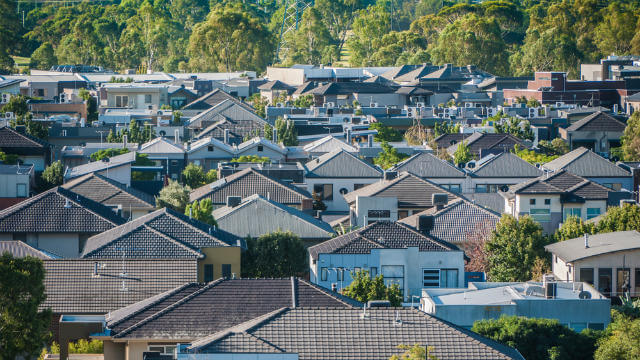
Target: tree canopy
{"x":173,"y":196}
{"x":277,"y":254}
{"x":364,"y":288}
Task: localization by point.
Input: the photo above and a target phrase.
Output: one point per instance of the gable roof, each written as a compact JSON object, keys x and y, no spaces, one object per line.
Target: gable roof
{"x":227,"y":115}
{"x":211,"y":99}
{"x":109,"y":192}
{"x":574,"y":188}
{"x":599,"y":244}
{"x":58,"y":211}
{"x":346,"y":88}
{"x":586,"y":163}
{"x":246,"y":183}
{"x":307,"y":332}
{"x":341,"y":164}
{"x":379,"y":235}
{"x":20,"y":249}
{"x":456,"y":221}
{"x":446,"y":140}
{"x":206,"y":141}
{"x":427,"y":165}
{"x":194,"y":310}
{"x":327,"y":144}
{"x":411,"y":191}
{"x":12,"y":139}
{"x":275,"y":85}
{"x":162,"y":234}
{"x":112,"y":162}
{"x":161,"y":145}
{"x":488,"y":141}
{"x":598,"y":121}
{"x":73,"y":286}
{"x":398,"y":71}
{"x":255,"y":141}
{"x":273,"y":216}
{"x":505,"y":165}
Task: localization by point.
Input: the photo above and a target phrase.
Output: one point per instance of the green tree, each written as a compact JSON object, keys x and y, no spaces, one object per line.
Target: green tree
{"x":10,"y":29}
{"x":278,"y":254}
{"x":142,"y":160}
{"x":338,"y":16}
{"x":556,"y":147}
{"x":573,"y":227}
{"x":107,"y":153}
{"x":623,"y":218}
{"x":53,"y":175}
{"x":514,"y":126}
{"x":442,"y":127}
{"x":614,"y":33}
{"x":193,"y":176}
{"x":202,"y":211}
{"x":92,"y":104}
{"x":251,"y":159}
{"x":363,"y":288}
{"x":534,"y":157}
{"x":173,"y":196}
{"x":318,"y":204}
{"x":415,"y":352}
{"x":538,"y":339}
{"x":211,"y":176}
{"x":513,"y":248}
{"x":369,"y":26}
{"x":309,"y":42}
{"x":385,"y":133}
{"x":24,"y":329}
{"x":43,"y":58}
{"x":631,"y":138}
{"x":462,"y":155}
{"x":389,"y":156}
{"x":287,"y":133}
{"x":533,"y":102}
{"x":17,"y":105}
{"x":549,"y":49}
{"x":304,"y":101}
{"x":259,"y":104}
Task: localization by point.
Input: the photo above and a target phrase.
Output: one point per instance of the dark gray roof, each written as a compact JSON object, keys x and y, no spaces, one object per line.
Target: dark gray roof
{"x":573,"y":188}
{"x":113,"y":162}
{"x":275,"y":85}
{"x":58,"y":211}
{"x":505,"y":165}
{"x":599,"y":244}
{"x":214,"y":98}
{"x":339,"y":333}
{"x":110,"y":192}
{"x":487,"y":141}
{"x":379,"y":235}
{"x":20,"y":249}
{"x":341,"y":164}
{"x":634,"y":97}
{"x":246,"y":183}
{"x":411,"y":191}
{"x":598,"y":121}
{"x":191,"y":310}
{"x":228,"y":115}
{"x":346,"y":88}
{"x":72,"y":287}
{"x":426,"y":165}
{"x":586,"y":163}
{"x":457,"y":221}
{"x":14,"y":142}
{"x":446,"y":140}
{"x":162,"y":234}
{"x":491,"y":201}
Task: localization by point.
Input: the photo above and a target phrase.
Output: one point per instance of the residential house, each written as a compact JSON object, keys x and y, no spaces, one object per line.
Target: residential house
{"x":61,"y":135}
{"x":483,"y":144}
{"x":598,"y":132}
{"x":192,"y":310}
{"x":576,"y":305}
{"x":632,"y":103}
{"x":584,"y":162}
{"x":610,"y":262}
{"x":248,"y":182}
{"x":57,"y":221}
{"x":273,"y":89}
{"x":133,"y":96}
{"x":230,"y":121}
{"x":49,"y":87}
{"x":208,"y":152}
{"x":337,"y":173}
{"x":180,"y":96}
{"x":79,"y":155}
{"x":30,"y":150}
{"x":428,"y":166}
{"x":345,"y":93}
{"x":294,"y":333}
{"x":394,"y":198}
{"x":402,"y":255}
{"x":239,"y":217}
{"x":168,"y":154}
{"x":8,"y":88}
{"x":261,"y":147}
{"x":495,"y":173}
{"x":289,"y":173}
{"x":553,"y":197}
{"x":327,"y":144}
{"x":16,"y":182}
{"x":208,"y":101}
{"x":117,"y":168}
{"x":130,"y":203}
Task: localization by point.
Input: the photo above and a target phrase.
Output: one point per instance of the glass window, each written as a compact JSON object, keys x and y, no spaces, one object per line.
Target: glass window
{"x":174,"y":162}
{"x":122,"y":100}
{"x":208,"y":272}
{"x":210,"y":148}
{"x":540,"y":215}
{"x":226,"y":270}
{"x":604,"y":281}
{"x":340,"y":274}
{"x":577,"y":327}
{"x":566,"y":212}
{"x":547,"y":201}
{"x":449,"y":278}
{"x":260,"y":148}
{"x":393,"y":274}
{"x":373,"y":271}
{"x":163,"y":349}
{"x":481,"y":188}
{"x":402,"y":214}
{"x":378,"y":213}
{"x":613,"y":186}
{"x":21,"y":190}
{"x":430,"y":277}
{"x":147,"y":98}
{"x":456,"y":188}
{"x":592,"y":212}
{"x":323,"y":274}
{"x":623,"y":280}
{"x":325,"y":191}
{"x":586,"y":275}
{"x":637,"y":282}
{"x":532,"y":201}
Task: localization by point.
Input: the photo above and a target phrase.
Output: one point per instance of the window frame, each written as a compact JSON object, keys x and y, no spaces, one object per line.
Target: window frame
{"x":226,"y":270}
{"x":207,"y":268}
{"x":389,"y":280}
{"x":591,"y":216}
{"x":540,"y":215}
{"x":148,"y":98}
{"x":323,"y":192}
{"x":587,"y":269}
{"x":324,"y":274}
{"x":434,"y":278}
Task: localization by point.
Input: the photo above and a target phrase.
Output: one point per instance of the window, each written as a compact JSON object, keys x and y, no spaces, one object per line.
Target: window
{"x":226,"y":270}
{"x":431,"y":278}
{"x":39,"y":92}
{"x":208,"y":272}
{"x":174,"y":162}
{"x":340,"y":274}
{"x":373,"y":272}
{"x":122,"y":101}
{"x":323,"y":274}
{"x":379,"y":213}
{"x":547,"y":201}
{"x":613,"y":186}
{"x":540,"y":215}
{"x":586,"y":275}
{"x":210,"y":148}
{"x":623,"y":280}
{"x":577,"y":327}
{"x":403,"y":214}
{"x":260,"y":148}
{"x":487,"y":188}
{"x":449,"y":278}
{"x":604,"y":281}
{"x":637,"y":284}
{"x":358,"y":186}
{"x":393,"y":274}
{"x":592,"y":212}
{"x":452,"y":187}
{"x":324,"y":191}
{"x":163,"y":349}
{"x":532,"y":201}
{"x":21,"y":190}
{"x":566,"y":212}
{"x":147,"y":98}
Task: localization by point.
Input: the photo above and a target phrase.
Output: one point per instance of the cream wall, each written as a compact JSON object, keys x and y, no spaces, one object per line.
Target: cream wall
{"x":9,"y":185}
{"x":121,"y":174}
{"x":218,"y":256}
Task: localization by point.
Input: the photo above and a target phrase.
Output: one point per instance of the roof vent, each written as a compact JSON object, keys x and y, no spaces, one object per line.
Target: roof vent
{"x":390,"y":175}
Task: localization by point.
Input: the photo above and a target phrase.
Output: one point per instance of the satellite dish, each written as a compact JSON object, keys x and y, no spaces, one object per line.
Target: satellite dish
{"x":584,"y":295}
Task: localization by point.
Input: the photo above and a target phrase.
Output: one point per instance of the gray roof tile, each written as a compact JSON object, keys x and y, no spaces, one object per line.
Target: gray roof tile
{"x":598,"y":121}
{"x":599,"y":244}
{"x":584,"y":162}
{"x":426,"y":165}
{"x":110,"y":193}
{"x":20,"y":249}
{"x":341,"y":164}
{"x":505,"y":165}
{"x":564,"y":183}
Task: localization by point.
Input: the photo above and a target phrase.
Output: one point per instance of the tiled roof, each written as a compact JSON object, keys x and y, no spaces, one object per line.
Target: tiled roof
{"x":411,"y":191}
{"x":275,"y":85}
{"x":505,"y":165}
{"x":162,"y":234}
{"x":20,"y":249}
{"x":446,"y":140}
{"x":246,"y":183}
{"x":379,"y":235}
{"x":565,"y":183}
{"x":72,"y":287}
{"x":337,"y":88}
{"x":426,"y":165}
{"x":598,"y":121}
{"x":586,"y":163}
{"x":486,"y":141}
{"x":115,"y":161}
{"x":191,"y":311}
{"x":341,"y":164}
{"x":230,"y":115}
{"x":110,"y":192}
{"x":16,"y":143}
{"x":339,"y":333}
{"x":58,"y":211}
{"x":211,"y":99}
{"x":456,"y":221}
{"x":328,"y":144}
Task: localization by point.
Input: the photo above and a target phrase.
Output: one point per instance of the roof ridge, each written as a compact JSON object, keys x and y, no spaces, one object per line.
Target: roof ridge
{"x":198,"y":253}
{"x":25,"y":203}
{"x":88,"y":205}
{"x":328,"y":293}
{"x":115,"y":229}
{"x":197,"y":229}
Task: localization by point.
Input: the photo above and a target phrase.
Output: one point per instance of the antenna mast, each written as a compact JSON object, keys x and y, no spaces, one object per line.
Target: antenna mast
{"x":293,"y":10}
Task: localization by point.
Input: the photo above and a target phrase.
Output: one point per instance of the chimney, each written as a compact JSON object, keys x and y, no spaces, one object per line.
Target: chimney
{"x":439,"y":200}
{"x":226,"y":136}
{"x":348,"y":135}
{"x":177,"y":136}
{"x":425,"y":223}
{"x":370,"y":140}
{"x":124,"y":141}
{"x":586,"y":240}
{"x":390,"y":175}
{"x":275,"y":136}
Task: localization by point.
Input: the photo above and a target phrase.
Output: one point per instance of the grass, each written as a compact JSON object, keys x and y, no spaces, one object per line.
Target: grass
{"x":21,"y":62}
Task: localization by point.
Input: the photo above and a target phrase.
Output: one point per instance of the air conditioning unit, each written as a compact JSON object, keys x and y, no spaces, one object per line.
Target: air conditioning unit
{"x":491,"y":112}
{"x":331,"y":104}
{"x":533,"y":112}
{"x":8,"y":115}
{"x":468,"y":105}
{"x":559,"y":103}
{"x":63,"y":97}
{"x":410,"y":112}
{"x":420,"y":104}
{"x":280,"y":105}
{"x":5,"y":98}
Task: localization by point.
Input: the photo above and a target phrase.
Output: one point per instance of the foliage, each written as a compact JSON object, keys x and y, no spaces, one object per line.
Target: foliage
{"x":108,"y":153}
{"x":304,"y":101}
{"x":287,"y":133}
{"x":622,"y":340}
{"x":415,"y":352}
{"x":556,"y":147}
{"x":193,"y":176}
{"x":53,"y":175}
{"x":259,"y":103}
{"x":92,"y":104}
{"x":513,"y":248}
{"x":443,"y":127}
{"x":278,"y":254}
{"x":623,"y":218}
{"x":533,"y":157}
{"x":318,"y":204}
{"x":201,"y":210}
{"x":416,"y":134}
{"x":312,"y":42}
{"x":211,"y":176}
{"x":462,"y":155}
{"x":573,"y":227}
{"x":475,"y":247}
{"x":34,"y":128}
{"x":17,"y":105}
{"x":369,"y":26}
{"x":43,"y":58}
{"x":81,"y":346}
{"x":142,"y":160}
{"x":135,"y":134}
{"x":251,"y":159}
{"x":8,"y":159}
{"x":538,"y":339}
{"x":23,"y":327}
{"x":385,"y":133}
{"x":173,"y":196}
{"x":631,"y":138}
{"x":363,"y":288}
{"x":389,"y":156}
{"x":514,"y":126}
